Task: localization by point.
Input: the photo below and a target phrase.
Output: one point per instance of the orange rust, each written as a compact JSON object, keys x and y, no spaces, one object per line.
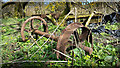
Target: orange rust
{"x":47,"y":35}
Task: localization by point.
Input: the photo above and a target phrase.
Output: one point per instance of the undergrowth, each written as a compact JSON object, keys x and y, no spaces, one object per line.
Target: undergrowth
{"x":12,"y":48}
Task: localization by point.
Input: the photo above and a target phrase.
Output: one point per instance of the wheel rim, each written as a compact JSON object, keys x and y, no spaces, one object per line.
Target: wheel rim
{"x":31,"y":27}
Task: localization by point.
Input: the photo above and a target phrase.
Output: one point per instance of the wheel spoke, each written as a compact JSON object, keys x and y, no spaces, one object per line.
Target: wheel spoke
{"x":31,"y":24}
{"x":28,"y":26}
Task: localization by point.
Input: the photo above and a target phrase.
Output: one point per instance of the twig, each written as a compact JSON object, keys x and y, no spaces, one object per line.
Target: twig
{"x":75,"y":14}
{"x":3,"y":44}
{"x":18,"y":59}
{"x":96,"y":60}
{"x":116,"y":44}
{"x":36,"y":43}
{"x":37,"y":40}
{"x":64,"y":54}
{"x":8,"y":25}
{"x":104,"y":50}
{"x":53,"y":32}
{"x":110,"y":6}
{"x":80,"y":6}
{"x":13,"y":60}
{"x":72,"y":57}
{"x":90,"y":17}
{"x":35,"y":61}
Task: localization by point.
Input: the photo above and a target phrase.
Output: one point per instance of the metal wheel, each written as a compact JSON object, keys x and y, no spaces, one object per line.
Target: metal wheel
{"x":73,"y":35}
{"x":32,"y":24}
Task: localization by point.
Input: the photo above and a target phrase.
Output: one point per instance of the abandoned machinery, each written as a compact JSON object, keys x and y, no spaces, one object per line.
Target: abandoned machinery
{"x":64,"y":40}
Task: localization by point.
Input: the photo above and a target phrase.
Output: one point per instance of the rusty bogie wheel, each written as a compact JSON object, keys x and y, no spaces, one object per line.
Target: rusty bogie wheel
{"x":31,"y":24}
{"x":73,"y":35}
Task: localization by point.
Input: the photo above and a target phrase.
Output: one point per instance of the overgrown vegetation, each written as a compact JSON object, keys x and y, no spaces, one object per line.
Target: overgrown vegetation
{"x":13,"y":48}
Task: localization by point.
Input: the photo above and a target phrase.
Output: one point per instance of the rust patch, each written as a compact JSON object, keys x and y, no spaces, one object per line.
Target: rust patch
{"x":47,"y":35}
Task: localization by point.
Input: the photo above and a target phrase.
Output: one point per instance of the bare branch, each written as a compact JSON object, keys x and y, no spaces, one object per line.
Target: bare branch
{"x":110,"y":7}
{"x":8,"y":3}
{"x":36,"y":42}
{"x":35,"y":61}
{"x":64,"y":54}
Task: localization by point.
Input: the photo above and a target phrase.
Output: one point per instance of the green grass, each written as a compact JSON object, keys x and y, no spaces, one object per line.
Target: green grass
{"x":12,"y":48}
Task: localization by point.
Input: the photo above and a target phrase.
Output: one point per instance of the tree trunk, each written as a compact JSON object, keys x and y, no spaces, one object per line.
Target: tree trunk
{"x":19,"y":8}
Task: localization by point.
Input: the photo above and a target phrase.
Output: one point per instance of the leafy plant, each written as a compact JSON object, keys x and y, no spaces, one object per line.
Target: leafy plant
{"x":12,"y":48}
